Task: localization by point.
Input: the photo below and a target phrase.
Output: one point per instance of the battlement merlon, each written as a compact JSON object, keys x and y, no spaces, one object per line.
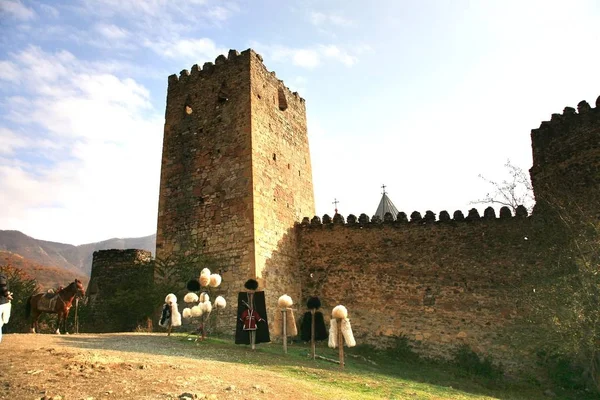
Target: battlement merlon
{"x":233,"y":58}
{"x":561,"y":126}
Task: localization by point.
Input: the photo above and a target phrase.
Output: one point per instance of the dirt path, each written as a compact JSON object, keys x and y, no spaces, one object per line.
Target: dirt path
{"x":131,"y":366}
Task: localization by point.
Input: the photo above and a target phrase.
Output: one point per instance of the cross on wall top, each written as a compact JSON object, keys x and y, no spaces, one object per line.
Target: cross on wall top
{"x":335,"y":203}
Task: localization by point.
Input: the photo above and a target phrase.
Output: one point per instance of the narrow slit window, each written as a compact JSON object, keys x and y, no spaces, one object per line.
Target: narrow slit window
{"x":283,"y":105}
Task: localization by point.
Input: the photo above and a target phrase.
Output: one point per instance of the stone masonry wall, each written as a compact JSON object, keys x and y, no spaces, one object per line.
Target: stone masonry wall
{"x":282,"y":176}
{"x":439,"y":283}
{"x":206,"y":177}
{"x":111,"y":267}
{"x":114,"y":270}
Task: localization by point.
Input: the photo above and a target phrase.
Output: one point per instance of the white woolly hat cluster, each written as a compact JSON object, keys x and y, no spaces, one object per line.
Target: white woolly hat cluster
{"x":204,"y":305}
{"x":171,"y":298}
{"x":285,"y":301}
{"x":220,"y":302}
{"x":208,"y":279}
{"x":339,"y":312}
{"x":191,"y":297}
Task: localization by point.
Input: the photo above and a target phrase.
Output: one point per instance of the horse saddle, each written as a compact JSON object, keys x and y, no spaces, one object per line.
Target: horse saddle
{"x":47,"y":302}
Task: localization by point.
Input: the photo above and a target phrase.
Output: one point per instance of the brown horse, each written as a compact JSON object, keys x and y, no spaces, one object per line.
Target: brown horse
{"x":59,"y":303}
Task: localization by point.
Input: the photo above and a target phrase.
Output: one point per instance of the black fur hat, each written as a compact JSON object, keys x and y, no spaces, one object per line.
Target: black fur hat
{"x":251,"y":284}
{"x":313,"y":303}
{"x":193,"y":285}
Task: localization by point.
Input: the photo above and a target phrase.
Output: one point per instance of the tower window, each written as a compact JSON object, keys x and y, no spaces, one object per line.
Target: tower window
{"x":274,"y":157}
{"x":283,"y":105}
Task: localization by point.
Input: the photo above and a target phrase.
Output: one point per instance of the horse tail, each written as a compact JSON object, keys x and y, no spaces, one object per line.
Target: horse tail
{"x":28,"y":307}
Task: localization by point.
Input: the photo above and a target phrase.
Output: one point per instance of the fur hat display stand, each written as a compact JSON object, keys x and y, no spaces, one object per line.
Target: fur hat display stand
{"x":285,"y":323}
{"x":340,"y":331}
{"x":252,"y":325}
{"x":170,"y":314}
{"x":199,"y":306}
{"x":251,"y":285}
{"x":312,"y":328}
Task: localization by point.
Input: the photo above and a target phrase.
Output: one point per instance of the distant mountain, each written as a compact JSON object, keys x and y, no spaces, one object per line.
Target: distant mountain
{"x":71,"y":259}
{"x":46,"y":277}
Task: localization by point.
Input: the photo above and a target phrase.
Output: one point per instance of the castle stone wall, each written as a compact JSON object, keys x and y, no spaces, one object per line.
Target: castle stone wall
{"x":440,"y":284}
{"x":114,"y":271}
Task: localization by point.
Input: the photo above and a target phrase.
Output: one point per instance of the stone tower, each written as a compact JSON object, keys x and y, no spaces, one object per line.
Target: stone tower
{"x":566,"y":162}
{"x":236,"y":172}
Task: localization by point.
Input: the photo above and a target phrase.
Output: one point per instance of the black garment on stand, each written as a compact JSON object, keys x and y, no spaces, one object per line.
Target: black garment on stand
{"x":320,"y":328}
{"x":165,"y":315}
{"x":262,"y":327}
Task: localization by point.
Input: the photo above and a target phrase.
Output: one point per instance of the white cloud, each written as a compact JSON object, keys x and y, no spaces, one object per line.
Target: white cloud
{"x":16,"y":9}
{"x":321,"y":19}
{"x":9,"y":71}
{"x":9,"y":141}
{"x":163,"y":15}
{"x":190,"y":50}
{"x":335,"y":52}
{"x":223,"y":12}
{"x":317,"y":18}
{"x":49,"y":11}
{"x":309,"y":57}
{"x":95,"y":142}
{"x":111,"y":31}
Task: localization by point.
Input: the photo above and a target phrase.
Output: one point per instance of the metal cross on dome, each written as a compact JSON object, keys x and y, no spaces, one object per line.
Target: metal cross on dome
{"x":335,"y":202}
{"x":383,"y":187}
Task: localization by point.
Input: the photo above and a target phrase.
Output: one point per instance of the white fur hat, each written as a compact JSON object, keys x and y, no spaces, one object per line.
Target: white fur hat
{"x":196,"y":311}
{"x":191,"y":297}
{"x":285,"y":301}
{"x":215,"y":280}
{"x":204,"y":280}
{"x":204,"y":297}
{"x":204,"y":272}
{"x":339,"y":312}
{"x":171,"y":298}
{"x":220,"y":302}
{"x":187,"y":313}
{"x":206,"y":306}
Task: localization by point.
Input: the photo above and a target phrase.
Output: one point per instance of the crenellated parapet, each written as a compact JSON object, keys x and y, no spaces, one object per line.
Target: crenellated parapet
{"x":566,"y":159}
{"x":553,"y":140}
{"x":225,"y":64}
{"x":429,"y":218}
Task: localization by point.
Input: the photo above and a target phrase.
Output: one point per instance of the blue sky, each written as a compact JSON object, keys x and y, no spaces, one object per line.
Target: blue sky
{"x":422,"y":96}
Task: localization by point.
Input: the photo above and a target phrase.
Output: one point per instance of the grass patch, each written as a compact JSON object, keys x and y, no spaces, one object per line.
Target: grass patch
{"x":372,"y":374}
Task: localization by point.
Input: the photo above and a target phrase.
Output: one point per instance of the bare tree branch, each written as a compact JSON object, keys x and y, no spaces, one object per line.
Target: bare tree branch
{"x":512,"y":192}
